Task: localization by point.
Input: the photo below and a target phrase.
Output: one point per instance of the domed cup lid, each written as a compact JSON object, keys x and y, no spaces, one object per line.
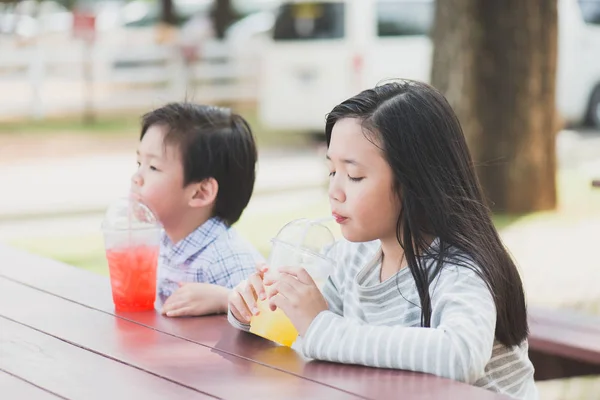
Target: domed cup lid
{"x":128,"y":214}
{"x":309,"y":236}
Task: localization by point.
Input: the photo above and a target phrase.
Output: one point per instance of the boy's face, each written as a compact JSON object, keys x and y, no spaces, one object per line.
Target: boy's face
{"x":158,"y":181}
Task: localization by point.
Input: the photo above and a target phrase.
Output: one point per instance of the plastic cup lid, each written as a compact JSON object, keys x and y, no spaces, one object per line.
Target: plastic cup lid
{"x":310,"y":236}
{"x":129,"y":214}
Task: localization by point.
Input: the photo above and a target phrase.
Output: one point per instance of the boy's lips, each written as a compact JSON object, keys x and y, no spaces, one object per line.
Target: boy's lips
{"x":339,"y":218}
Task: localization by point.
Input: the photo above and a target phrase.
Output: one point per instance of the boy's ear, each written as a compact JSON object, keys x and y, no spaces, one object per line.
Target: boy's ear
{"x":204,"y":193}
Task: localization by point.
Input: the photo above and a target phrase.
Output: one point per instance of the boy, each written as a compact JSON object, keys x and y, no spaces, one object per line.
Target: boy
{"x":196,"y":172}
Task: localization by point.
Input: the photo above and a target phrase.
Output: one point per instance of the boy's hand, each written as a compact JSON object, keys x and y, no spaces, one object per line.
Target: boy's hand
{"x":196,"y":299}
{"x":295,"y":292}
{"x":242,"y":299}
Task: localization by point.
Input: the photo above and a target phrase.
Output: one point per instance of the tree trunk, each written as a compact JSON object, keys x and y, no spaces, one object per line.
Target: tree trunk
{"x":496,"y":63}
{"x":222,"y":16}
{"x":167,"y":12}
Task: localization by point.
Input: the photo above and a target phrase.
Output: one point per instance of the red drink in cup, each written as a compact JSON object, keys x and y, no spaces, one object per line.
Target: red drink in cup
{"x":131,"y":238}
{"x":133,"y":277}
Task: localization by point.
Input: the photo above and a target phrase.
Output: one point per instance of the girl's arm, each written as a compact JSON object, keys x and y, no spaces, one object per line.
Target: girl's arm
{"x":333,"y":289}
{"x":457,"y":346}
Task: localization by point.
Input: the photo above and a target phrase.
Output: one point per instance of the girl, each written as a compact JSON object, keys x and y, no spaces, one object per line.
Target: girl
{"x":423,"y":281}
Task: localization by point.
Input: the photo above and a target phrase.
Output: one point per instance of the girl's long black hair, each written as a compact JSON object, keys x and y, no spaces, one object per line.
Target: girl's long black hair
{"x":422,"y":140}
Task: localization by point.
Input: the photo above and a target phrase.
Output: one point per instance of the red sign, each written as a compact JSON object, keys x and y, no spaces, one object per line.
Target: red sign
{"x":84,"y":26}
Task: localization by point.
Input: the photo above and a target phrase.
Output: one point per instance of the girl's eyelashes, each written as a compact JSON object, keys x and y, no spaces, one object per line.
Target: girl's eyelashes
{"x":355,"y":179}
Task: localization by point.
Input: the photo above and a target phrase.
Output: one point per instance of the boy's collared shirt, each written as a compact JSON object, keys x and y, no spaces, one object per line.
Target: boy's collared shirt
{"x":213,"y":253}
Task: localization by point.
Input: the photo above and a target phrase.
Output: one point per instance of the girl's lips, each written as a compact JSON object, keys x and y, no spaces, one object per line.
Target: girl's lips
{"x":338,"y":218}
{"x":135,"y":196}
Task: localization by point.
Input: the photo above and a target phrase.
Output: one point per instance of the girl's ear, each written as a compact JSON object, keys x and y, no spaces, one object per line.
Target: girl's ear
{"x":204,"y":193}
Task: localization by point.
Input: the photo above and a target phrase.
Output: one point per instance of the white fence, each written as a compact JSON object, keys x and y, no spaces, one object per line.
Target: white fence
{"x":51,"y":79}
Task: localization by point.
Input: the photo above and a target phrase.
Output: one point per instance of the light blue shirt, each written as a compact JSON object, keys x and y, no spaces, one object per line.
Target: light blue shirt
{"x":213,"y":253}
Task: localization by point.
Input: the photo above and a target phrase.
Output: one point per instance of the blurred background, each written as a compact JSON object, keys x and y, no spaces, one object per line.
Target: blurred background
{"x":75,"y":76}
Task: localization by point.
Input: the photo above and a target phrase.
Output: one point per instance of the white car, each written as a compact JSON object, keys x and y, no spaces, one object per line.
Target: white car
{"x":322,"y":52}
{"x":29,"y":18}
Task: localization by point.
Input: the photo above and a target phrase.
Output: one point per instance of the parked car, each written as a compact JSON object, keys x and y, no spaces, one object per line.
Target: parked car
{"x":30,"y":18}
{"x":322,"y":52}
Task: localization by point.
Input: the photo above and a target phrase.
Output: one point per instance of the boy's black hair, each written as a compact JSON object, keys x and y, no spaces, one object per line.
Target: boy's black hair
{"x":213,"y":142}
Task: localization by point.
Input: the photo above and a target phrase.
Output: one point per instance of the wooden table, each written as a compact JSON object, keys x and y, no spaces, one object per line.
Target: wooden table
{"x":563,"y":343}
{"x":60,"y":338}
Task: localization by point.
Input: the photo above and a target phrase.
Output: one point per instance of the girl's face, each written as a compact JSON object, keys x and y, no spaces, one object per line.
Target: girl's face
{"x":361,"y":189}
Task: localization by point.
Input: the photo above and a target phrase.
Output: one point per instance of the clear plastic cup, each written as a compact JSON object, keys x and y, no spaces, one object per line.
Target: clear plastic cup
{"x":131,"y":239}
{"x":302,"y":243}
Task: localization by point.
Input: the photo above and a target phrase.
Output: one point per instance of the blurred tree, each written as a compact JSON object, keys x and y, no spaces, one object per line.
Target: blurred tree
{"x":168,"y":12}
{"x":496,"y":63}
{"x":222,"y":15}
{"x":70,"y":4}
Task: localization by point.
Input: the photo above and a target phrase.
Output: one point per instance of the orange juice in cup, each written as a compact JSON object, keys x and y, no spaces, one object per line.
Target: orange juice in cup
{"x":131,"y":238}
{"x":302,"y":243}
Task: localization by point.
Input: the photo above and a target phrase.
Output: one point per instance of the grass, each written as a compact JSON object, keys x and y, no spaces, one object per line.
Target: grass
{"x":261,"y":228}
{"x":266,"y":137}
{"x":104,"y":126}
{"x":578,"y":201}
{"x":109,"y":127}
{"x":84,"y":251}
{"x":87,"y":251}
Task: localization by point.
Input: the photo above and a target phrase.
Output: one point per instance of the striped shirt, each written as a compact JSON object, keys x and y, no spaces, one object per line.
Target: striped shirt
{"x":377,"y":324}
{"x":213,"y":253}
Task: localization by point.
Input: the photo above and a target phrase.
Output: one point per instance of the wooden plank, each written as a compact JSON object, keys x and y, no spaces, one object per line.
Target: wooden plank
{"x":206,"y":370}
{"x":550,"y":366}
{"x":94,"y":291}
{"x":563,"y":343}
{"x":564,"y":317}
{"x":215,"y":331}
{"x":12,"y":387}
{"x":565,"y":333}
{"x":55,"y":277}
{"x":74,"y":373}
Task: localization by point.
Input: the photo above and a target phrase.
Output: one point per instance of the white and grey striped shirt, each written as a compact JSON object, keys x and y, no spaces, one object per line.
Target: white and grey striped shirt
{"x":377,"y":324}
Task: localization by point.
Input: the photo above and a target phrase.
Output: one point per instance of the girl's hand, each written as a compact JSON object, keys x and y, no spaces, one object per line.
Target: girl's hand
{"x":242,"y":299}
{"x":295,"y":292}
{"x":195,"y":299}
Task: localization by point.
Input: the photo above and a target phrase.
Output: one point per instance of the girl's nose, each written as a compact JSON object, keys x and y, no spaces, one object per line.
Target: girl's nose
{"x":335,"y":192}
